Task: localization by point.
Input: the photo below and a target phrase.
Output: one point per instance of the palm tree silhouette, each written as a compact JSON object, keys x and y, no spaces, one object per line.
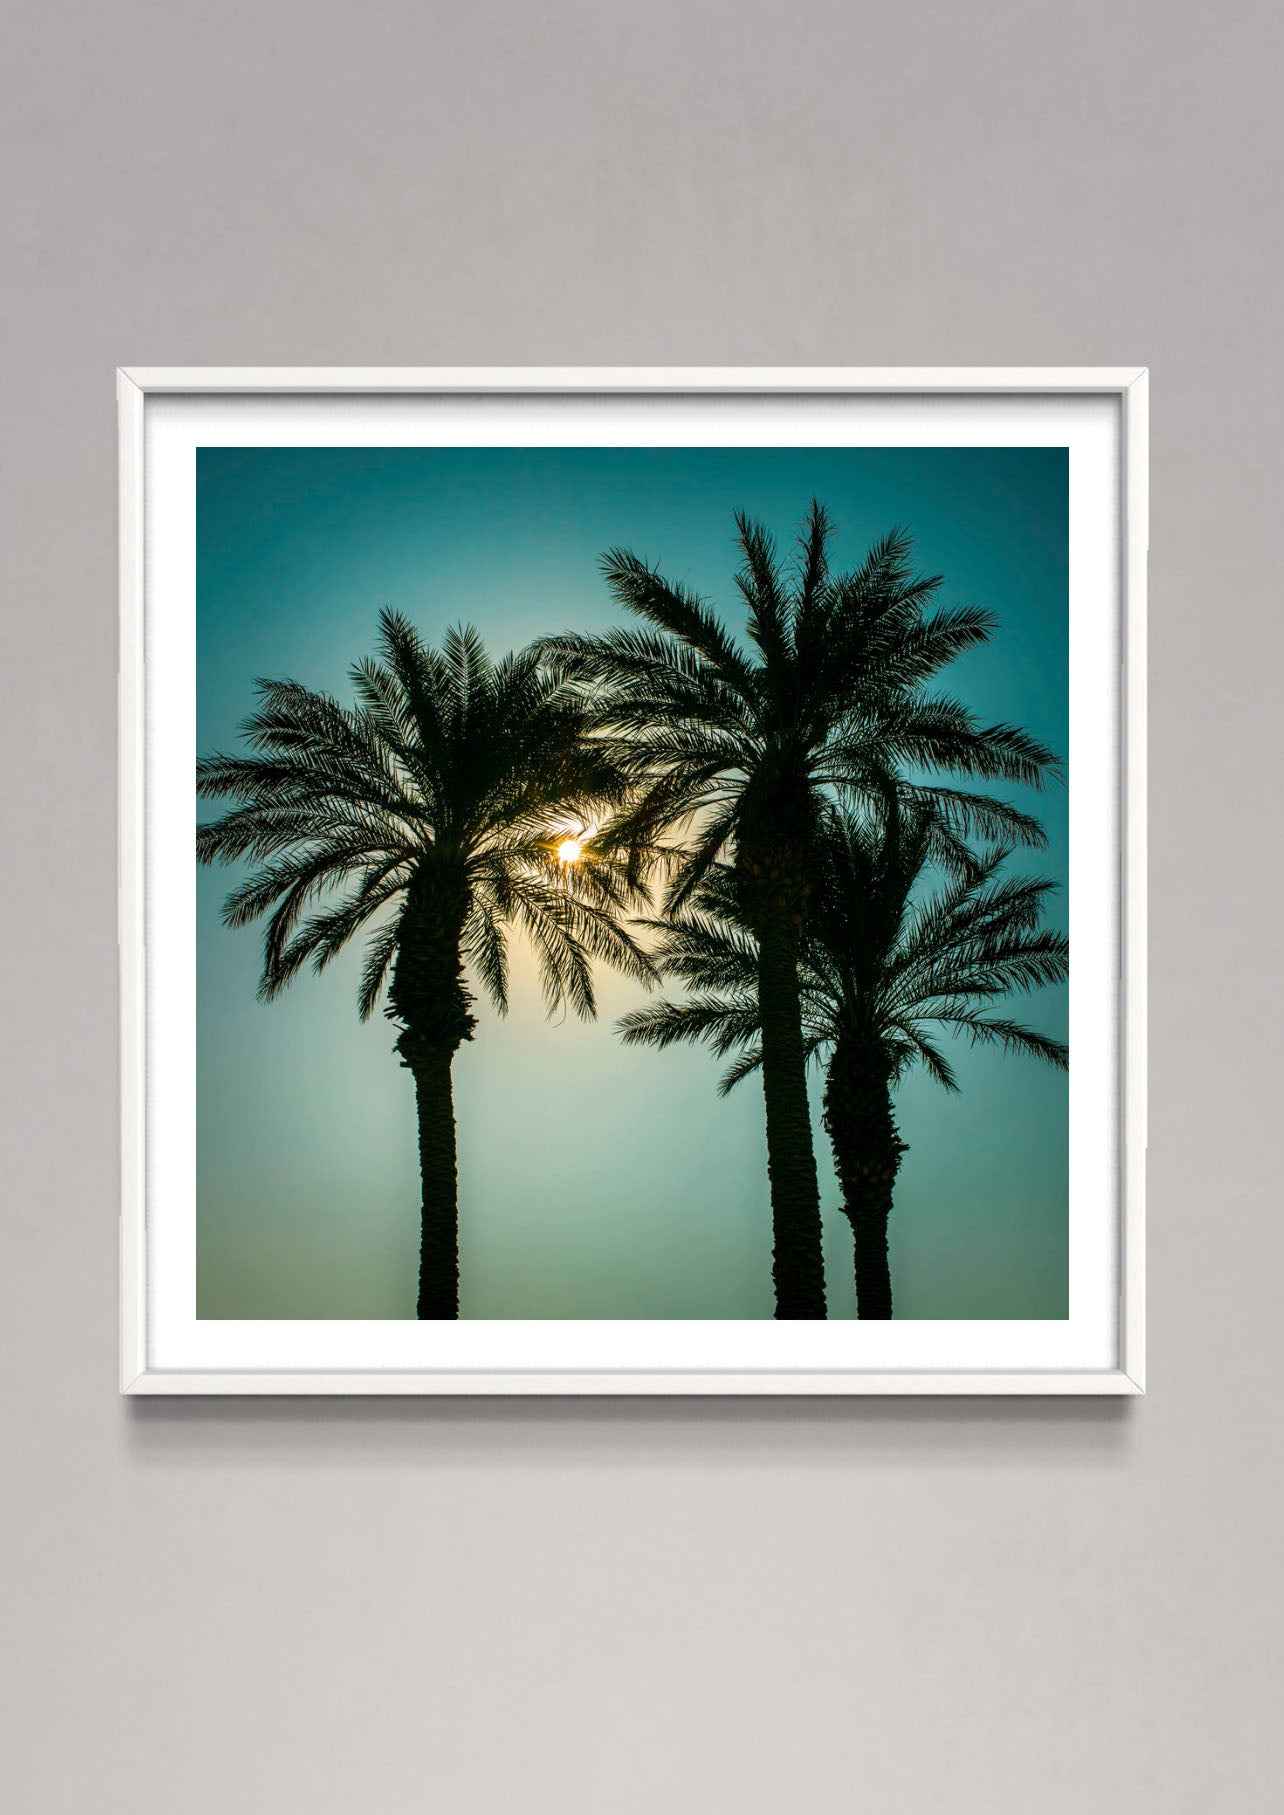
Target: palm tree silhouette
{"x":435,"y":807}
{"x":737,"y":750}
{"x":884,"y":965}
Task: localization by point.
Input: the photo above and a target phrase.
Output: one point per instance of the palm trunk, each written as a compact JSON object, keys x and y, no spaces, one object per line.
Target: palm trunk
{"x":439,"y":1215}
{"x":873,"y":1271}
{"x":427,"y":995}
{"x":867,"y":1156}
{"x":798,"y":1266}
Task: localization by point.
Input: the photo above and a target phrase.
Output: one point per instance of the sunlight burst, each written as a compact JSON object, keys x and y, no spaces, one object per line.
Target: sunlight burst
{"x":570,"y":850}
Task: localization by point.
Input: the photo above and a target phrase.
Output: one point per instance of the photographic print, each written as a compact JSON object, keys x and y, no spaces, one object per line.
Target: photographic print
{"x":631,"y":891}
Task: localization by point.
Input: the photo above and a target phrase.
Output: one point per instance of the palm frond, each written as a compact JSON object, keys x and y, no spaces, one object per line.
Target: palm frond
{"x":447,"y":759}
{"x":721,"y":1024}
{"x":381,"y":949}
{"x":677,"y":611}
{"x":749,"y":1061}
{"x":1010,"y":1035}
{"x":884,"y":958}
{"x":761,"y":585}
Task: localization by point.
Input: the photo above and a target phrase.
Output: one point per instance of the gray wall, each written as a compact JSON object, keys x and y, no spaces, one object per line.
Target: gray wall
{"x":903,"y":1607}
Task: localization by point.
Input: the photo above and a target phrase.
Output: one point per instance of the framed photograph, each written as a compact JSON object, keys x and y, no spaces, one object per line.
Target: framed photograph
{"x":632,"y":880}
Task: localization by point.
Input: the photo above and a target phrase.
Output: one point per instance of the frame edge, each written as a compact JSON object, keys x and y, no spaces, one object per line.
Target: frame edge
{"x":709,"y":379}
{"x":134,"y":383}
{"x":1133,"y":880}
{"x":130,"y":894}
{"x":1108,"y":1383}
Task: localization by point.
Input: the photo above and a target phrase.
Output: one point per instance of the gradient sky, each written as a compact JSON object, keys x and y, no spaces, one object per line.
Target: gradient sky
{"x":595,"y":1181}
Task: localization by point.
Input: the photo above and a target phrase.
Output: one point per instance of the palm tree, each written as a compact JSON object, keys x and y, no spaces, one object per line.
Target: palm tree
{"x":736,"y":750}
{"x":884,"y":966}
{"x":433,"y":809}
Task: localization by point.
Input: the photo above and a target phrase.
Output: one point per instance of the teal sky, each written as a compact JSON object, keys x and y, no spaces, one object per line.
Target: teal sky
{"x":594,"y":1181}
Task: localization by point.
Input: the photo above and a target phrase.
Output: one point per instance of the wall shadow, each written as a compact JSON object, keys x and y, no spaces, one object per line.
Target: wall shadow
{"x":714,"y":1431}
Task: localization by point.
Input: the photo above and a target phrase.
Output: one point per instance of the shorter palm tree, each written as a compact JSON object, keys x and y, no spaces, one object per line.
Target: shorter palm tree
{"x":439,"y":812}
{"x":884,"y":966}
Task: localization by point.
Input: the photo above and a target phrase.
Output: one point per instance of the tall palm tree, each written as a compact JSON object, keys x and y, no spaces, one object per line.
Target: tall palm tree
{"x":885,"y":965}
{"x":433,"y":809}
{"x":736,"y":748}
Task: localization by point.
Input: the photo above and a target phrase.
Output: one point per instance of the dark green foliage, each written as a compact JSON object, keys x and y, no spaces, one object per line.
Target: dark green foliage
{"x":428,"y":814}
{"x":736,"y":751}
{"x":886,"y":966}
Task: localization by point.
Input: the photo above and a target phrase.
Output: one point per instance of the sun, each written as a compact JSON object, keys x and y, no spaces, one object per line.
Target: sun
{"x":570,"y":850}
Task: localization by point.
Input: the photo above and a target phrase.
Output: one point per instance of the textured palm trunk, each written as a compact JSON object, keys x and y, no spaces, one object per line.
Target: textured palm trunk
{"x":428,"y":997}
{"x":798,"y":1266}
{"x":867,"y":1156}
{"x":873,"y":1267}
{"x":439,"y":1180}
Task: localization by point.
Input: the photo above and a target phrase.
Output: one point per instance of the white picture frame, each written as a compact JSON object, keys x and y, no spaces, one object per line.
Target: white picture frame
{"x":142,"y":1370}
